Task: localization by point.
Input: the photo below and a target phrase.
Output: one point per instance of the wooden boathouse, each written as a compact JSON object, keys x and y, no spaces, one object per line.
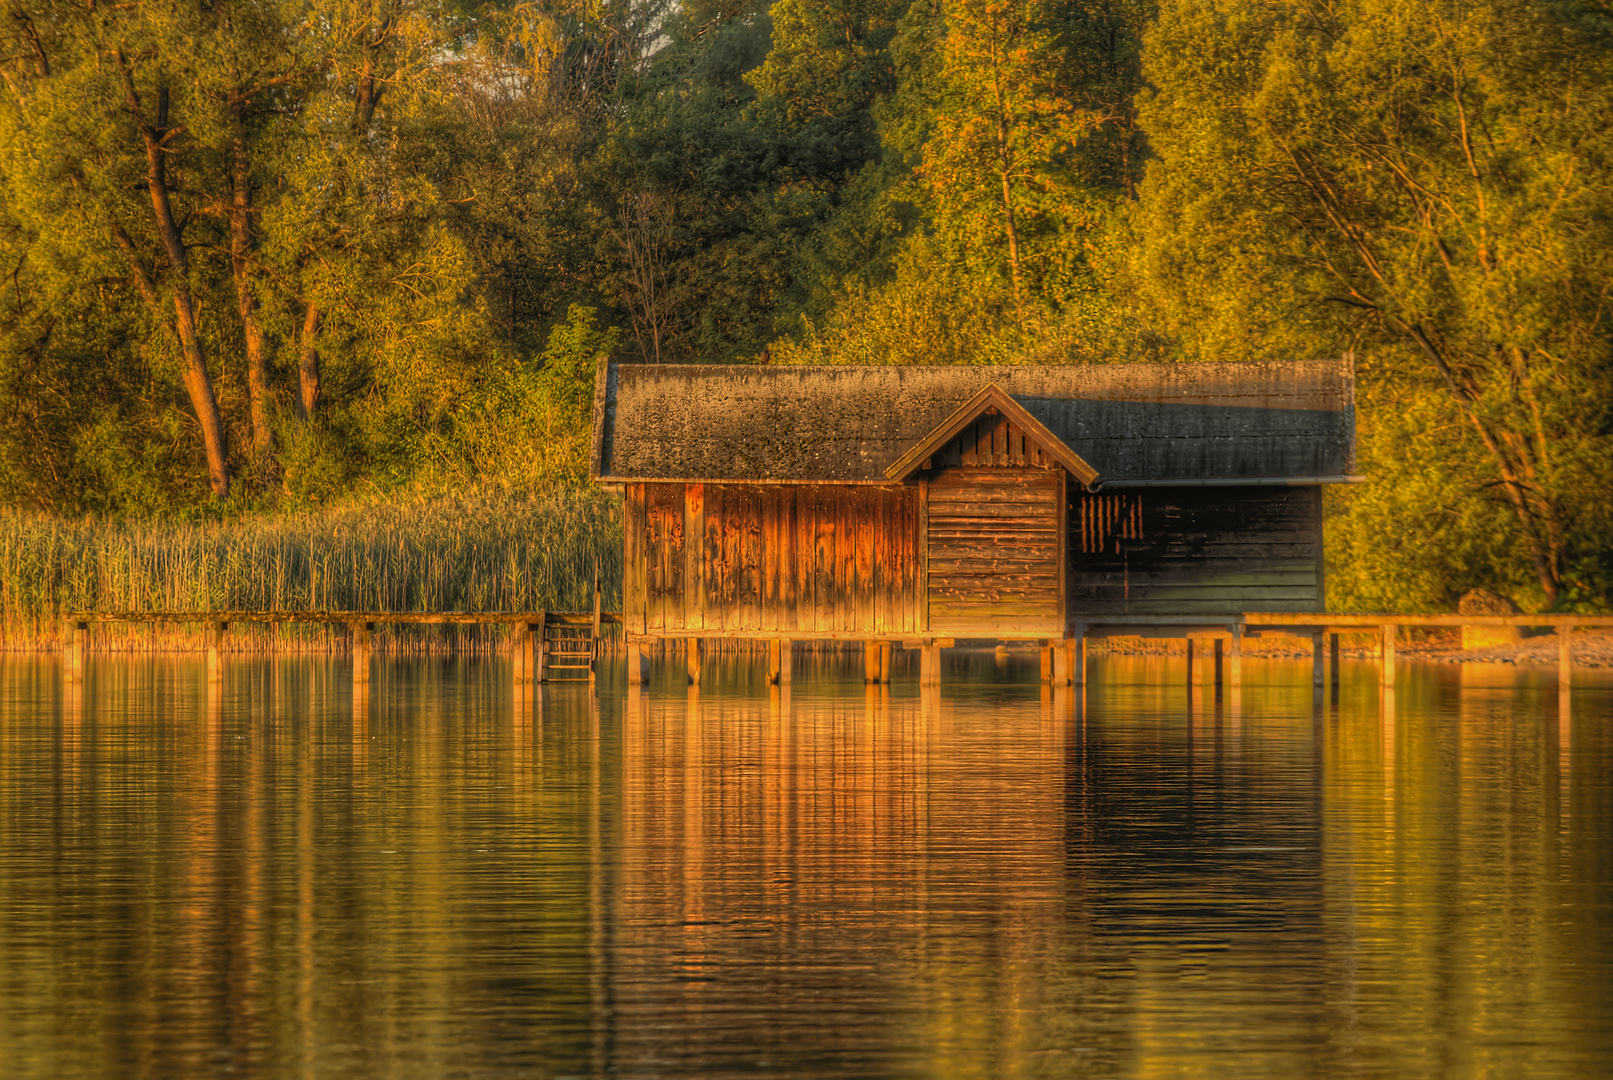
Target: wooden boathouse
{"x":924,"y":505}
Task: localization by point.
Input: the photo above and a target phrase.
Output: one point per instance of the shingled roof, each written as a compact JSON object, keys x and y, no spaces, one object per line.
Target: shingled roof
{"x":1134,"y":423}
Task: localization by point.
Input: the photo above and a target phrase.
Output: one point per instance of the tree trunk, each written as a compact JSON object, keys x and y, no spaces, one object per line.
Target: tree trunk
{"x":257,"y":359}
{"x":308,"y":365}
{"x":198,"y":384}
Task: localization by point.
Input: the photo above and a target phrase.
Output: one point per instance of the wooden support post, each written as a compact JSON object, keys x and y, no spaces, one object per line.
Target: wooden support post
{"x":930,"y":664}
{"x":692,"y":657}
{"x":635,"y":664}
{"x":1062,"y":651}
{"x":1333,"y":659}
{"x":786,"y":657}
{"x":870,"y":662}
{"x":884,"y":663}
{"x":361,"y":651}
{"x":1191,"y":680}
{"x":75,"y":650}
{"x":1220,"y":662}
{"x":520,"y":650}
{"x":540,"y":647}
{"x":1078,"y":655}
{"x":1235,"y":666}
{"x":1565,"y":659}
{"x":214,"y":637}
{"x":1318,"y":661}
{"x":773,"y":662}
{"x":1046,"y":652}
{"x":1387,"y":675}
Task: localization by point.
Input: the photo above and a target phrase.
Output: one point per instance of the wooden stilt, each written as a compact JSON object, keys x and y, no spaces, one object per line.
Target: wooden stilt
{"x":361,"y":652}
{"x":1333,"y":659}
{"x":930,"y":664}
{"x":1192,"y":679}
{"x":1565,"y":659}
{"x":870,"y":662}
{"x":773,"y":662}
{"x":1062,"y":651}
{"x":1318,"y":661}
{"x":1387,"y":675}
{"x":884,"y":663}
{"x":1078,"y":655}
{"x":1046,"y":651}
{"x":636,"y":666}
{"x":1235,"y":660}
{"x":215,"y":647}
{"x":786,"y":657}
{"x":692,"y":655}
{"x":1220,"y":662}
{"x":75,"y":650}
{"x":520,"y":650}
{"x":540,"y":647}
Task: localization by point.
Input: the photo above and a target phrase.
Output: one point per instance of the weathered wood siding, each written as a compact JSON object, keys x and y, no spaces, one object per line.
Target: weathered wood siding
{"x":994,"y":548}
{"x":1195,"y":551}
{"x":743,"y":559}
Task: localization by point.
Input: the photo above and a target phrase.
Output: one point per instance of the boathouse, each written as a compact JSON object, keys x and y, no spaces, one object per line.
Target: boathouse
{"x":929,"y":504}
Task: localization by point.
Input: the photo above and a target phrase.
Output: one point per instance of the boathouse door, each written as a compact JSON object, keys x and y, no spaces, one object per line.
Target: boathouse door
{"x":995,"y":537}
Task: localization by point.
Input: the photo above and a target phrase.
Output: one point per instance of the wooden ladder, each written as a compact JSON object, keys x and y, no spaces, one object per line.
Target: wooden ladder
{"x":570,"y":642}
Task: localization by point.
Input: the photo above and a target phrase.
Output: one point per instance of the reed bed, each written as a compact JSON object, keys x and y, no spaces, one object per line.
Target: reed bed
{"x":492,"y":551}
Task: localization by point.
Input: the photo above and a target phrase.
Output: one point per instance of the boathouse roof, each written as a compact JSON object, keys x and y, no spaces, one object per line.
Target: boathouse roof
{"x":1273,"y":422}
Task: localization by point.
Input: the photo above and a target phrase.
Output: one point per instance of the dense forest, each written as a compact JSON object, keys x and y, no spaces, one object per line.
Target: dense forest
{"x":268,"y":258}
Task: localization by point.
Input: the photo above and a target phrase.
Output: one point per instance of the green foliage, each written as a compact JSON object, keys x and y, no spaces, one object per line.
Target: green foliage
{"x":1427,"y":183}
{"x":404,"y":231}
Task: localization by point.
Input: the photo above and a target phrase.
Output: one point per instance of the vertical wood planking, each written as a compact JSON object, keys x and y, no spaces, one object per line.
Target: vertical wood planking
{"x":823,"y":566}
{"x":694,"y":547}
{"x":750,"y":539}
{"x":789,"y":564}
{"x":769,"y":504}
{"x":881,"y":587}
{"x":806,"y":539}
{"x":716,"y":571}
{"x":922,"y":593}
{"x":864,"y":500}
{"x":1064,"y":549}
{"x":633,"y":559}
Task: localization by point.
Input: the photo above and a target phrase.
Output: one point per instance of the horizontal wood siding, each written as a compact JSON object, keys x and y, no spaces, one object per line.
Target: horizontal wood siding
{"x":754,"y":560}
{"x":993,"y":551}
{"x":1195,"y":551}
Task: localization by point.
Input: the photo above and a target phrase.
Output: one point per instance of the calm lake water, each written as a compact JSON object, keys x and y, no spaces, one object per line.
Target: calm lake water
{"x":991,"y":881}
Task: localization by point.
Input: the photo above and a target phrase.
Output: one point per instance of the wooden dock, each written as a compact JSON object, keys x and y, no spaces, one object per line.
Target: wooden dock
{"x":563,"y":646}
{"x":549,"y":646}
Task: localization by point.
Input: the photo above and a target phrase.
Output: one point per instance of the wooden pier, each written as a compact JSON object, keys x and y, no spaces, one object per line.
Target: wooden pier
{"x":563,"y":646}
{"x":549,"y":646}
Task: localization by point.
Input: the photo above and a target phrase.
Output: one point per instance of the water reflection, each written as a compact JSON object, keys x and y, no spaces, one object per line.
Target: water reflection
{"x":434,"y":875}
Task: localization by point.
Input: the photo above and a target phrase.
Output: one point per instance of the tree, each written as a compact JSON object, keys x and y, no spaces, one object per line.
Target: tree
{"x":1428,"y":182}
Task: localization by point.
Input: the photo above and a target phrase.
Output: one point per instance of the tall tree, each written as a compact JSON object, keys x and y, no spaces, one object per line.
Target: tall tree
{"x":1428,"y":181}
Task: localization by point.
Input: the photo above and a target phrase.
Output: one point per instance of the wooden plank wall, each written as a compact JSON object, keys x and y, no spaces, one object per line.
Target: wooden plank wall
{"x":994,"y":550}
{"x":753,"y":560}
{"x":1195,"y":551}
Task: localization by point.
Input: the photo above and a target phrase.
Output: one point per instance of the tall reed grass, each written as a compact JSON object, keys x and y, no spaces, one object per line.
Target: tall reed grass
{"x":489,"y":551}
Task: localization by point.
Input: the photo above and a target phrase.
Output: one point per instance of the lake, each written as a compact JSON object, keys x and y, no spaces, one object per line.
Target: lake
{"x":991,"y":880}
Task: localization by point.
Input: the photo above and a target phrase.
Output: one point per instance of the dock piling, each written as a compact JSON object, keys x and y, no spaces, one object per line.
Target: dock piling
{"x":1388,"y":675}
{"x":214,"y":637}
{"x":361,"y":632}
{"x":75,"y":649}
{"x":692,"y":658}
